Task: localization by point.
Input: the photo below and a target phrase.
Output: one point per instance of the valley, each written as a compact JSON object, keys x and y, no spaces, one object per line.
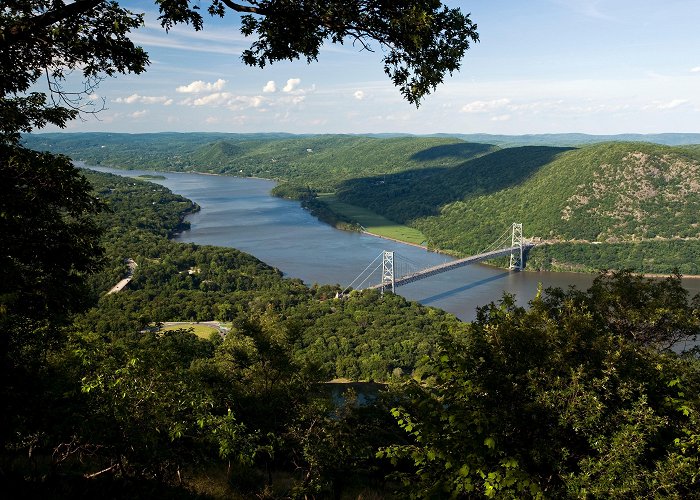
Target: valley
{"x":319,"y":294}
{"x":610,"y":205}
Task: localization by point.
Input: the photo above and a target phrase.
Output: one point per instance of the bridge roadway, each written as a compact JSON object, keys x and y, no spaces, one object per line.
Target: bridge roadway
{"x":449,"y":266}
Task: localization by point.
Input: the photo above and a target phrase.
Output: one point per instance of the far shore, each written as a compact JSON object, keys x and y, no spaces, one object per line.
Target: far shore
{"x":400,"y":241}
{"x":83,"y":164}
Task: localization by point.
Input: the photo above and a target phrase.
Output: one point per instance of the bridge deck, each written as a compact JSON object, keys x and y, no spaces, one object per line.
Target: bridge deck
{"x":448,"y":266}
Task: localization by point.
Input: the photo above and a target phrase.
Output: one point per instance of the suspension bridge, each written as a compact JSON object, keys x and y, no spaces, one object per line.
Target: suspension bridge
{"x":398,"y":270}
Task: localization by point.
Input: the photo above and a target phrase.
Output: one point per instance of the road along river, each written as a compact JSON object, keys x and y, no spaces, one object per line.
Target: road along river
{"x":240,"y":213}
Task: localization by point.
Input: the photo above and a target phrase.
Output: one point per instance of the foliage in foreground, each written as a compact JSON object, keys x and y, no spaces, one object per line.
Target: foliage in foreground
{"x":577,"y":396}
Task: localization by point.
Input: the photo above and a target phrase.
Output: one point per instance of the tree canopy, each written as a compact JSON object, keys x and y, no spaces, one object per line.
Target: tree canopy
{"x":422,"y":40}
{"x":578,"y":396}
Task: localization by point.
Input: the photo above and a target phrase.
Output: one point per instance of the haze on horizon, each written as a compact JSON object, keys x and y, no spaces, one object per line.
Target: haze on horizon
{"x":544,"y":66}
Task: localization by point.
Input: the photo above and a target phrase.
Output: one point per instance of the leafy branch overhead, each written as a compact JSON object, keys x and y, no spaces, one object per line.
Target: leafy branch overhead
{"x":421,"y":41}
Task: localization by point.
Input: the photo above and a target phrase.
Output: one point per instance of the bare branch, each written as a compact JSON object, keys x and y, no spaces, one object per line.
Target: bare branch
{"x":95,"y":474}
{"x":77,"y":101}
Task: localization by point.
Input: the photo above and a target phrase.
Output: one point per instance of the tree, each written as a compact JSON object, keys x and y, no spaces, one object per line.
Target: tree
{"x":49,"y":39}
{"x":422,"y":41}
{"x":559,"y":400}
{"x":49,"y":245}
{"x":48,"y":238}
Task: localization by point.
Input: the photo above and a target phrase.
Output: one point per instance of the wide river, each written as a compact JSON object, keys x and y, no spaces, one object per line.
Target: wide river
{"x":240,"y":213}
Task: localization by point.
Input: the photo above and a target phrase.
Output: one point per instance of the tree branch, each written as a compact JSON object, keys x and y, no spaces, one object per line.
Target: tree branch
{"x":24,"y":28}
{"x":243,"y":8}
{"x":108,"y":469}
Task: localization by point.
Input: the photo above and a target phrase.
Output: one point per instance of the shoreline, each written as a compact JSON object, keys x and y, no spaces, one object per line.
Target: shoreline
{"x":83,"y":164}
{"x":400,"y":241}
{"x":526,"y":270}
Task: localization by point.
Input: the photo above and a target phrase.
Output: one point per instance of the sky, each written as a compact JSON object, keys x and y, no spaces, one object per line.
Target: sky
{"x":541,"y":66}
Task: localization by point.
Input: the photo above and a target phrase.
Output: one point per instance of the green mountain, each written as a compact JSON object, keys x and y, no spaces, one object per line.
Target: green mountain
{"x":605,"y":205}
{"x":321,"y":160}
{"x":603,"y":198}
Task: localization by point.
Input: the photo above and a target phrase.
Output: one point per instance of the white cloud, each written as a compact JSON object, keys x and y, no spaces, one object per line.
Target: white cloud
{"x":127,"y":100}
{"x":137,"y":114}
{"x":537,"y":106}
{"x":256,"y":101}
{"x":243,"y":102}
{"x":500,"y":118}
{"x":200,"y":86}
{"x":270,"y":87}
{"x":134,"y":98}
{"x":696,"y":69}
{"x":215,"y":99}
{"x":229,"y":100}
{"x":292,"y":84}
{"x":485,"y":106}
{"x":359,"y":95}
{"x":670,"y":104}
{"x":181,"y":37}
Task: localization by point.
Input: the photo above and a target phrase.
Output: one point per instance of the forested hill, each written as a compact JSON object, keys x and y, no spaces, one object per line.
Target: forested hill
{"x":322,"y":160}
{"x":614,"y":204}
{"x":610,"y":205}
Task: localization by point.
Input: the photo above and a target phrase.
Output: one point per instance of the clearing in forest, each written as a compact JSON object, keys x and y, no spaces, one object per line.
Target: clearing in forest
{"x":372,"y":222}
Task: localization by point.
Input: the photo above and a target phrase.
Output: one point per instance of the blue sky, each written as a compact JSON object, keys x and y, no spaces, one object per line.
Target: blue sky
{"x":542,"y":66}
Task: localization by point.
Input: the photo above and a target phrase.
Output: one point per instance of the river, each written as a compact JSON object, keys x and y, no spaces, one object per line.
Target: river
{"x":240,"y":213}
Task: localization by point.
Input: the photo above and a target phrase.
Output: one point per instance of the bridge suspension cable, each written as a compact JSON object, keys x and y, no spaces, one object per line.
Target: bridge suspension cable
{"x":398,"y":270}
{"x":363,"y":272}
{"x":500,"y":242}
{"x":404,"y":266}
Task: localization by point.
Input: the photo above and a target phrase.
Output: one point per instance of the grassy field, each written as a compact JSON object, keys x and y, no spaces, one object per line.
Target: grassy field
{"x":373,"y":222}
{"x":201,"y":331}
{"x":148,"y":177}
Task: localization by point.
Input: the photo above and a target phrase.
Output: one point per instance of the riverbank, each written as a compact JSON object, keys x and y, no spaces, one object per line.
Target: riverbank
{"x":532,"y":267}
{"x":397,"y":240}
{"x":372,"y":222}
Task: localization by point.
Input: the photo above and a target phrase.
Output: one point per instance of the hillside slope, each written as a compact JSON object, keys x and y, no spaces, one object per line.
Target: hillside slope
{"x":321,"y":160}
{"x":606,"y":194}
{"x":325,"y":160}
{"x":607,"y":205}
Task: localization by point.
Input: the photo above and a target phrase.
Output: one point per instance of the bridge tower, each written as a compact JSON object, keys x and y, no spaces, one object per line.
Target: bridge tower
{"x":516,"y":255}
{"x":388,"y":271}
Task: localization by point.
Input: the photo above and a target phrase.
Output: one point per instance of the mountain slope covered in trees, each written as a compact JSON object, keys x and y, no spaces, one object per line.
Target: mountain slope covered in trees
{"x":597,"y":198}
{"x":609,"y":205}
